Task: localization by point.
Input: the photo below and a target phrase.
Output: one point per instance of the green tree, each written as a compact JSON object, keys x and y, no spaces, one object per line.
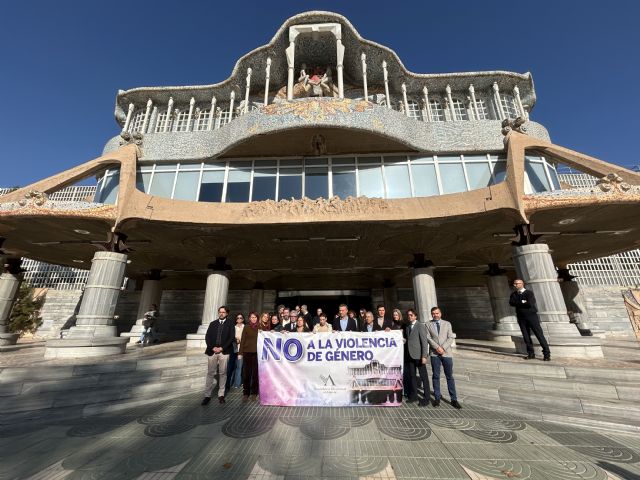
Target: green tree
{"x":25,"y":315}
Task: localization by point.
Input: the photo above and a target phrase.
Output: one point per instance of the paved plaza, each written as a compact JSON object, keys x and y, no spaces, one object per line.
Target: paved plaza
{"x":181,"y":439}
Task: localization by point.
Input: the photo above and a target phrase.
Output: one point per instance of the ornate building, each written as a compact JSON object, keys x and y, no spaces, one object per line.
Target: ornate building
{"x":323,"y":169}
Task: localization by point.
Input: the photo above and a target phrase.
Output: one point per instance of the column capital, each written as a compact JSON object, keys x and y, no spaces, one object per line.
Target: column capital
{"x":495,"y":270}
{"x":220,"y":264}
{"x":420,"y":262}
{"x":524,"y":235}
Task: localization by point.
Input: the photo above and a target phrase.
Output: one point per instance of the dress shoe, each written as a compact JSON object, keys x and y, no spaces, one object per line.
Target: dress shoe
{"x":221,"y":400}
{"x":547,"y":359}
{"x":436,"y":403}
{"x":529,"y":357}
{"x":424,"y":403}
{"x":455,"y":404}
{"x":205,"y":401}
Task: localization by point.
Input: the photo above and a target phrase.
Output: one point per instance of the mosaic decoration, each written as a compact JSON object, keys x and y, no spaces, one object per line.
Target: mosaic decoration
{"x":319,"y":206}
{"x":318,"y":109}
{"x":58,"y":209}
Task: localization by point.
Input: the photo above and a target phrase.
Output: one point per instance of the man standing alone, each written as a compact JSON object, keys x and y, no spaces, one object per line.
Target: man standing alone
{"x":441,"y":338}
{"x":527,"y":314}
{"x":418,"y":351}
{"x":219,"y":339}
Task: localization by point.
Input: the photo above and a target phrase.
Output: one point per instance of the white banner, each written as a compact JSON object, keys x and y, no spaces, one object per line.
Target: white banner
{"x":330,"y":369}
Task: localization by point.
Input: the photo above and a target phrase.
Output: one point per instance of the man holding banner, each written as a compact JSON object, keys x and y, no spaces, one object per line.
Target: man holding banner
{"x":418,"y":350}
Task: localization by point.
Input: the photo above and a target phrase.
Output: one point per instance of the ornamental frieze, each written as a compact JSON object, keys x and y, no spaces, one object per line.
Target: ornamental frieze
{"x":319,"y":206}
{"x":317,"y":110}
{"x":40,"y":206}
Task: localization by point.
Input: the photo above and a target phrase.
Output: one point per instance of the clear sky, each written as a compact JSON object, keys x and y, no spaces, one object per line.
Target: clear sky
{"x":63,"y":61}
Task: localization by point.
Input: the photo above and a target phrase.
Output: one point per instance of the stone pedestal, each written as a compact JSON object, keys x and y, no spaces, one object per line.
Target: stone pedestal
{"x":9,"y":287}
{"x":94,"y":333}
{"x":151,"y":293}
{"x":535,"y":266}
{"x":424,"y":291}
{"x":505,"y":323}
{"x":215,"y":296}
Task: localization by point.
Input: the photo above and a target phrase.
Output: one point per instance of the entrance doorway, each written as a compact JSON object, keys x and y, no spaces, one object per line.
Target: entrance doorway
{"x":327,"y":300}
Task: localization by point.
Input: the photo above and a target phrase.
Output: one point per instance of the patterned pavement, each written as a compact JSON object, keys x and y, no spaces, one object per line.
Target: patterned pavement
{"x":179,"y":439}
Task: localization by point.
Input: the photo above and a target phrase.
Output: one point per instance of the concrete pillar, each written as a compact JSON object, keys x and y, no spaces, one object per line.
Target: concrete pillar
{"x":363,"y":61}
{"x":505,"y":323}
{"x":257,"y":299}
{"x":94,"y":333}
{"x":535,"y":266}
{"x":128,"y":120}
{"x":291,"y":58}
{"x":151,"y":293}
{"x":340,"y":59}
{"x":267,"y":76}
{"x":576,"y":304}
{"x":215,"y":296}
{"x":424,"y":291}
{"x":385,"y":74}
{"x":247,"y":90}
{"x":390,"y":295}
{"x":147,"y":115}
{"x":10,"y":281}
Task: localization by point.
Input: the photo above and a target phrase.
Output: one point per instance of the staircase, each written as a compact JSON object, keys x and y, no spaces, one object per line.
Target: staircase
{"x":58,"y":312}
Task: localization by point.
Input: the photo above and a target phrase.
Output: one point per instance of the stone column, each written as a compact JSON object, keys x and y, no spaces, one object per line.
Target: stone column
{"x":385,"y":74}
{"x":151,"y":293}
{"x":291,"y":58}
{"x":424,"y":287}
{"x":215,"y":296}
{"x":339,"y":64}
{"x":94,"y":333}
{"x":505,"y":323}
{"x":257,"y":299}
{"x":390,"y":295}
{"x":535,"y":266}
{"x":267,"y":77}
{"x":363,"y":61}
{"x":10,"y":281}
{"x":576,"y":304}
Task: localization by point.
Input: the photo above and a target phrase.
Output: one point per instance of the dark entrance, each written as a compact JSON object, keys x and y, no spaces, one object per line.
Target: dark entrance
{"x":327,"y":300}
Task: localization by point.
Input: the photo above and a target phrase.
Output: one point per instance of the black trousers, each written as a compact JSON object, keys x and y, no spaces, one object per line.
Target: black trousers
{"x":250,"y":373}
{"x":526,"y":327}
{"x":416,"y":366}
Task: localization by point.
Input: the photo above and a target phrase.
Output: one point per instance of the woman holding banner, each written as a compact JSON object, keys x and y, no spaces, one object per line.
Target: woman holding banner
{"x":249,"y":353}
{"x":264,"y":324}
{"x":276,"y":326}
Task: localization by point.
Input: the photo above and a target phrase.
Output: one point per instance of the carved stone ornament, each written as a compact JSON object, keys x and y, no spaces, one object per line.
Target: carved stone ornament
{"x":319,"y":206}
{"x":516,"y":125}
{"x":39,"y":198}
{"x":611,"y":182}
{"x":127,"y":138}
{"x":318,"y":144}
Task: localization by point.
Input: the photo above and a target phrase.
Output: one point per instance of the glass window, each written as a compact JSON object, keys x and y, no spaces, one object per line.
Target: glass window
{"x":142,"y":180}
{"x":459,"y":110}
{"x":316,"y":182}
{"x":537,"y":178}
{"x":422,"y":159}
{"x":264,"y":184}
{"x":414,"y":110}
{"x":315,"y":162}
{"x":290,"y":163}
{"x":166,"y":167}
{"x":479,"y":175}
{"x":162,"y":184}
{"x":182,"y":120}
{"x":266,"y":163}
{"x":202,"y":120}
{"x":107,"y":191}
{"x":211,"y":186}
{"x":396,"y":174}
{"x":187,"y":185}
{"x":215,"y":165}
{"x":344,"y":181}
{"x":163,"y":124}
{"x":343,"y":161}
{"x":482,"y":112}
{"x":290,"y":183}
{"x":370,"y":178}
{"x":425,"y":182}
{"x":238,"y":184}
{"x":554,"y":177}
{"x":137,"y":121}
{"x":452,"y":178}
{"x":437,"y":113}
{"x":224,"y":117}
{"x":509,"y":105}
{"x":499,"y":171}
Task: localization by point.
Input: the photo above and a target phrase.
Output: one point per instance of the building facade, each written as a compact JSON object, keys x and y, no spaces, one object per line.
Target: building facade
{"x":322,"y":170}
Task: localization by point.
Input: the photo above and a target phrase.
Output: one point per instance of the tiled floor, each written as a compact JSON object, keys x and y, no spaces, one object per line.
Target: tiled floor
{"x":181,"y":439}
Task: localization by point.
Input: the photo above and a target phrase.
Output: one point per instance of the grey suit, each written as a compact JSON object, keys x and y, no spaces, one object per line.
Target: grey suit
{"x":417,"y":349}
{"x":442,"y":338}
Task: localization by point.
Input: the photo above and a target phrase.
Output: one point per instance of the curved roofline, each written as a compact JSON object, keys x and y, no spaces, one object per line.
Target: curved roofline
{"x":311,"y":17}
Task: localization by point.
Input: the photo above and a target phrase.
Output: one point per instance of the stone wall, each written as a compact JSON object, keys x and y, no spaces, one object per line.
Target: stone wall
{"x":607,"y":310}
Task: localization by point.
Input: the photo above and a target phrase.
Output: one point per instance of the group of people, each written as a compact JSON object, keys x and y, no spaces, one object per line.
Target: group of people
{"x":232,"y":348}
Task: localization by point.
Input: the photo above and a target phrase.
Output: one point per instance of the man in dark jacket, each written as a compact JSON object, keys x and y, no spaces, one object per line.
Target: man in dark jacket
{"x":383,"y":320}
{"x":342,"y":323}
{"x":526,"y":307}
{"x":219,"y":339}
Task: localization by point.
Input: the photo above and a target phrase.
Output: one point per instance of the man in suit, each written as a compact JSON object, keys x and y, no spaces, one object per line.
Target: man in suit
{"x":418,"y":351}
{"x":293,"y":320}
{"x":342,"y":323}
{"x":440,"y":339}
{"x":527,"y":314}
{"x":369,"y":324}
{"x":383,"y":320}
{"x":219,"y":338}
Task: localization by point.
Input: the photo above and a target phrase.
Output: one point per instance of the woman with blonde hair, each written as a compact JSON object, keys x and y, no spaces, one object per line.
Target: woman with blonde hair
{"x":398,"y":321}
{"x":264,"y":324}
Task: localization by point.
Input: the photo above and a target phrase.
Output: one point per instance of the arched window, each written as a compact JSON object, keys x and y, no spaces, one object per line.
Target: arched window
{"x":163,"y":123}
{"x":437,"y":112}
{"x":202,"y":120}
{"x":137,"y":121}
{"x":224,"y":117}
{"x":509,"y":105}
{"x":459,"y":110}
{"x":414,"y":110}
{"x":182,"y":120}
{"x":482,"y":112}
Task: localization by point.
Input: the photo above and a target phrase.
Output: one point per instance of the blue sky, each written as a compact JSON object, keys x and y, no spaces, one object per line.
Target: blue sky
{"x":63,"y":62}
